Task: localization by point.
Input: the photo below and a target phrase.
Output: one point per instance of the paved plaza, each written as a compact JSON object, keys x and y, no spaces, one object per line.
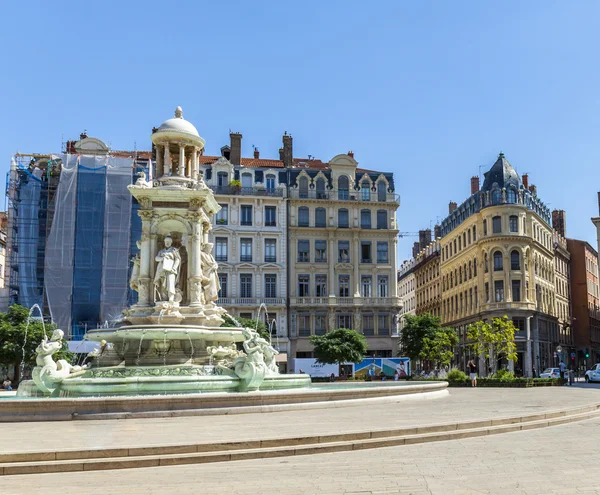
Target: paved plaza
{"x":553,"y":460}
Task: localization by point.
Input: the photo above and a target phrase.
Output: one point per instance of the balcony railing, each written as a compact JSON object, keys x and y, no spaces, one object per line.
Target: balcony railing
{"x":247,"y":191}
{"x":371,"y":197}
{"x":245,"y":257}
{"x":311,"y":194}
{"x":270,"y":259}
{"x":389,"y":302}
{"x":250,"y":301}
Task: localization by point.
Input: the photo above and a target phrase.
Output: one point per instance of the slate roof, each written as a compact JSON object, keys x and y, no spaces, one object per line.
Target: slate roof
{"x":501,"y":173}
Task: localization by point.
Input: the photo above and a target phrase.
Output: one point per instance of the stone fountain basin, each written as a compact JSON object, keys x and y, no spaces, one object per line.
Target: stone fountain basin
{"x":173,"y":332}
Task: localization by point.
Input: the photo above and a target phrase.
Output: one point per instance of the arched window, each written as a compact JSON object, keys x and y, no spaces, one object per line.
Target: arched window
{"x":343,"y":187}
{"x":365,"y":219}
{"x":320,"y":217}
{"x":498,"y":261}
{"x":485,"y":227}
{"x":320,"y":188}
{"x":365,"y":190}
{"x":485,"y":262}
{"x":460,"y":271}
{"x":515,"y":260}
{"x":511,"y":196}
{"x":222,"y":179}
{"x":470,"y":269}
{"x":270,"y":184}
{"x":496,"y":196}
{"x":475,"y":267}
{"x":343,"y":221}
{"x":303,"y":187}
{"x":381,"y":191}
{"x":247,"y":180}
{"x":303,"y":216}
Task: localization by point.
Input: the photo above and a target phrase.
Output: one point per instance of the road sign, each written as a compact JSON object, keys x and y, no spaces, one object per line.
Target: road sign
{"x":572,"y":355}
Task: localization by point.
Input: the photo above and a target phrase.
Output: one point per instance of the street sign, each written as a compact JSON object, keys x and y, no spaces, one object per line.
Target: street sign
{"x":572,"y":355}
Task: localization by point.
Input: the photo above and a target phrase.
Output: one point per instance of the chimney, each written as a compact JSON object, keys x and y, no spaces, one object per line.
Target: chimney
{"x":437,"y":231}
{"x":559,"y":222}
{"x":256,"y":154}
{"x":533,"y":189}
{"x":598,"y":203}
{"x":287,"y":150}
{"x":415,"y":250}
{"x":452,"y":206}
{"x":280,"y":154}
{"x":525,"y":180}
{"x":236,"y":148}
{"x":474,"y":184}
{"x":351,"y":154}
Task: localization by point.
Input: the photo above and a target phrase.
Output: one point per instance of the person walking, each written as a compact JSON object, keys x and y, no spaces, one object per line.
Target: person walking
{"x":472,"y":372}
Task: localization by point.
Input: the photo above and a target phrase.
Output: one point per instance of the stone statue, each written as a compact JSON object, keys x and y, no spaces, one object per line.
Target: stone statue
{"x":269,"y":353}
{"x":224,"y":355}
{"x":135,"y":271}
{"x":48,"y":374}
{"x":167,"y":272}
{"x":210,"y":278}
{"x":142,"y":182}
{"x":251,"y":368}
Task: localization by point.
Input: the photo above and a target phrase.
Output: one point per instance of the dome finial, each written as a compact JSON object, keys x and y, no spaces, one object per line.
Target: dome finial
{"x":179,"y":113}
{"x":500,"y":155}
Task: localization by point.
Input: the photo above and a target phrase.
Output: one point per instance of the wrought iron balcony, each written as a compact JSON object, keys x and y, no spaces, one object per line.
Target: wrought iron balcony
{"x":247,"y":191}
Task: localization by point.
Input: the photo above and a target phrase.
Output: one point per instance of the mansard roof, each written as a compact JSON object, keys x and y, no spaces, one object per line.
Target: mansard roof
{"x":502,"y":173}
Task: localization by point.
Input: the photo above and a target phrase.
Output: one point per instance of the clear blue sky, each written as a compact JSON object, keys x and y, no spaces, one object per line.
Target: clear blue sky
{"x":430,"y":90}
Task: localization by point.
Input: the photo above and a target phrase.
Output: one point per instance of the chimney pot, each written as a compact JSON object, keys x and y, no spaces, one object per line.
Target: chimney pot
{"x":452,"y":206}
{"x":236,"y":148}
{"x":474,"y":184}
{"x":351,"y":154}
{"x":525,"y":180}
{"x":256,"y":154}
{"x":287,"y":150}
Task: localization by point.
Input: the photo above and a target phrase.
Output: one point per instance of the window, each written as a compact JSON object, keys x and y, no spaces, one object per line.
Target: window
{"x":246,"y":285}
{"x":320,"y":322}
{"x":321,"y":285}
{"x":475,"y":267}
{"x":223,"y":284}
{"x":382,"y":252}
{"x":303,"y":187}
{"x":499,"y":290}
{"x":366,"y":286}
{"x":270,"y":250}
{"x":344,"y":282}
{"x":459,"y":243}
{"x":270,"y":216}
{"x":514,"y":223}
{"x":381,"y":191}
{"x":303,"y":285}
{"x":222,"y":217}
{"x":498,"y":261}
{"x":382,"y":286}
{"x":247,"y":180}
{"x":469,"y":236}
{"x":497,"y":225}
{"x":365,"y":191}
{"x":320,"y":251}
{"x":474,"y":233}
{"x":320,"y":217}
{"x":270,"y":182}
{"x":343,"y":187}
{"x":368,"y":324}
{"x":345,"y":321}
{"x":303,"y":251}
{"x":487,"y":292}
{"x":246,"y":214}
{"x":344,"y":251}
{"x":485,"y":227}
{"x":303,"y":216}
{"x":496,"y":196}
{"x":303,"y":325}
{"x":343,"y":218}
{"x":382,"y":222}
{"x":511,"y":196}
{"x":221,"y":249}
{"x":270,"y":285}
{"x":365,"y":219}
{"x":365,"y":252}
{"x":519,"y":324}
{"x":516,"y":290}
{"x":515,"y":260}
{"x":321,"y":189}
{"x":245,"y":249}
{"x":222,"y":179}
{"x":383,"y":324}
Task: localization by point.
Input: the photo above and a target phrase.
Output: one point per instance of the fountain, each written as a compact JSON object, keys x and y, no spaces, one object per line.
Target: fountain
{"x":171,"y":341}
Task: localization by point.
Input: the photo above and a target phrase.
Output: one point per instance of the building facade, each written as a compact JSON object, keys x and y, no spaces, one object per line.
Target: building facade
{"x":428,"y":280}
{"x":562,"y":287}
{"x":585,"y":293}
{"x":406,"y":291}
{"x":342,"y":261}
{"x":497,"y":259}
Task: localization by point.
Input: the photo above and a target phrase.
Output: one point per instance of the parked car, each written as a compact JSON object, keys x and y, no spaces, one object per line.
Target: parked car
{"x":550,"y":373}
{"x":593,"y":375}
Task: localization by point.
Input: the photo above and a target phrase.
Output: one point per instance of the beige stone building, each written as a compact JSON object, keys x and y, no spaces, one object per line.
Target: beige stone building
{"x":428,"y":280}
{"x":342,"y":256}
{"x":407,"y":291}
{"x":497,"y":259}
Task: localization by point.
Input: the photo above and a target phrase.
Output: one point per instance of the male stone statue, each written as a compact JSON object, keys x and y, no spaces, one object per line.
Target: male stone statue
{"x":210,"y":278}
{"x":167,"y":271}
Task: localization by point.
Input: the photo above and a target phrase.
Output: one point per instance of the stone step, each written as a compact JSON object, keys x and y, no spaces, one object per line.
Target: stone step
{"x":117,"y":459}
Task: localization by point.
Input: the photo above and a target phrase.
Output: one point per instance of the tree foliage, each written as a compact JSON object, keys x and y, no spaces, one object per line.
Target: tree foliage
{"x":497,"y":336}
{"x":12,"y":337}
{"x":339,"y":346}
{"x":438,"y":347}
{"x":416,"y":329}
{"x":254,"y":324}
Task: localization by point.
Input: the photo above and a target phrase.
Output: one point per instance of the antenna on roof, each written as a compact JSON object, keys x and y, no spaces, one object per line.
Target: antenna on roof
{"x":310,"y":157}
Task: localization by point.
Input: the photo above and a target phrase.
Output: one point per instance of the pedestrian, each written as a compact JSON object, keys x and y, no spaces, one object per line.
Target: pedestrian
{"x":562,"y":367}
{"x":396,"y":375}
{"x":571,"y":376}
{"x":472,"y":372}
{"x":332,"y":377}
{"x":301,"y":371}
{"x":7,"y":384}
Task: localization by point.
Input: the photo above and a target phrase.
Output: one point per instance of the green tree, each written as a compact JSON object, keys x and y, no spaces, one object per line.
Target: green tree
{"x":255,"y":324}
{"x":438,"y":347}
{"x":415,"y":330}
{"x":339,"y":346}
{"x":497,"y":337}
{"x":12,"y":336}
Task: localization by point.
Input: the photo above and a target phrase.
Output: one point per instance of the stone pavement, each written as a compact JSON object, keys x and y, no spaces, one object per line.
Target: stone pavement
{"x":560,"y":460}
{"x":461,"y":405}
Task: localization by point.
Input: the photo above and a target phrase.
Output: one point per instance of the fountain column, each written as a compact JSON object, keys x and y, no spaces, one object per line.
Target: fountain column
{"x":167,"y":161}
{"x":181,"y":160}
{"x":144,"y":294}
{"x":159,"y":162}
{"x":195,"y":280}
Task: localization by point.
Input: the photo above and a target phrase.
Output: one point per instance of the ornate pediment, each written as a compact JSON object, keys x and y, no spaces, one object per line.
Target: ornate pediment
{"x":344,"y":266}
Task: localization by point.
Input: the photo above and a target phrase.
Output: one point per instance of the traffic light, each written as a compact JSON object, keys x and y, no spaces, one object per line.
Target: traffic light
{"x":587,"y":354}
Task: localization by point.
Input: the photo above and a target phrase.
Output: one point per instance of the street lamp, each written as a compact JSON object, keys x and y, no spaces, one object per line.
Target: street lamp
{"x":559,"y":355}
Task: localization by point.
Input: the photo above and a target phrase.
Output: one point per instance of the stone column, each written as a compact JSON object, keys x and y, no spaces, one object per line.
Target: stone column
{"x":159,"y":161}
{"x":167,"y":162}
{"x":195,"y":280}
{"x":195,"y":164}
{"x":357,"y":254}
{"x":524,"y":291}
{"x":527,"y":365}
{"x":181,"y":160}
{"x":146,"y":287}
